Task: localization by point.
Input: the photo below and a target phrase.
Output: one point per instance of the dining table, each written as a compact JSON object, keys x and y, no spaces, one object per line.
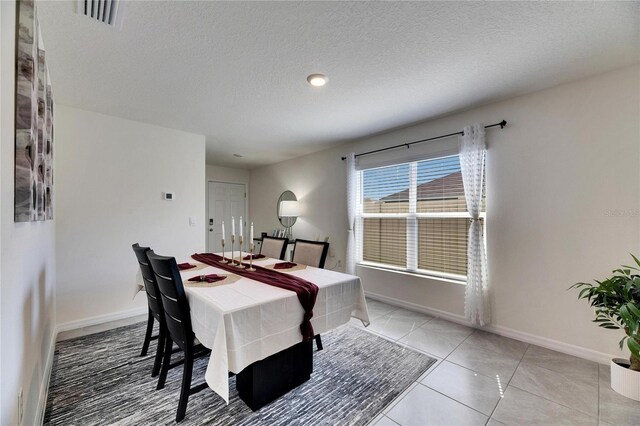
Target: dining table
{"x":254,"y":329}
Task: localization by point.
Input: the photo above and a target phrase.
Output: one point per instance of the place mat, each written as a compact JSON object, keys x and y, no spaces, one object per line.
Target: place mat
{"x":229,"y":279}
{"x":298,"y":267}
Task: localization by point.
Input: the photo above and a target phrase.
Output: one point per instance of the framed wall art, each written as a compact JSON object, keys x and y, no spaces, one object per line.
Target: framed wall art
{"x":33,"y":198}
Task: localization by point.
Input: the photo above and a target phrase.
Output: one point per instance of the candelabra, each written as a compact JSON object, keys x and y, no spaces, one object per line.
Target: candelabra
{"x":239,"y":265}
{"x":233,"y":241}
{"x":251,"y":248}
{"x":223,"y":259}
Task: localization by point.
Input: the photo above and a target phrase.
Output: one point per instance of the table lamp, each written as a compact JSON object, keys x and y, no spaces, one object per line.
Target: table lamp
{"x":290,"y":210}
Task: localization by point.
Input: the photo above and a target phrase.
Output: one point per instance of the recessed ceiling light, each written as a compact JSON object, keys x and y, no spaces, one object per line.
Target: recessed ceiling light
{"x":317,"y":80}
{"x":238,"y":155}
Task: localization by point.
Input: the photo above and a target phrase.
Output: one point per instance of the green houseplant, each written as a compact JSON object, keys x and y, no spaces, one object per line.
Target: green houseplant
{"x":616,"y":301}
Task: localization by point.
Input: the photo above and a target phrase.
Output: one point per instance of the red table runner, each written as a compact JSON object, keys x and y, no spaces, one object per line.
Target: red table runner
{"x":307,"y":292}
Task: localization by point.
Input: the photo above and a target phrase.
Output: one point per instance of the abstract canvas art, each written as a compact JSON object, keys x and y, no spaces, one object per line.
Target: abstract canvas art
{"x":34,"y":122}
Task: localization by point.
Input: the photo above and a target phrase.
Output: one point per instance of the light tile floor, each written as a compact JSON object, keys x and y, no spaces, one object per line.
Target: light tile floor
{"x":485,"y":379}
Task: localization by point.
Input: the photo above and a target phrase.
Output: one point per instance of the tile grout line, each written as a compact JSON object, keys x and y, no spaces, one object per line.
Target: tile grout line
{"x":416,"y":382}
{"x":544,"y":367}
{"x":493,"y":352}
{"x":386,"y":410}
{"x":455,"y":400}
{"x":391,"y":420}
{"x":517,"y":366}
{"x":550,"y":400}
{"x":429,"y":353}
{"x":547,"y":399}
{"x":438,"y":359}
{"x":455,"y":363}
{"x":555,"y":402}
{"x":509,"y":382}
{"x":430,"y":318}
{"x":467,"y":338}
{"x":413,"y":327}
{"x":459,"y":344}
{"x":446,"y":358}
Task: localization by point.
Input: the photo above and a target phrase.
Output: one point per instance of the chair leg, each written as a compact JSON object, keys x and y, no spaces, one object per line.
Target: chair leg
{"x":318,"y":342}
{"x":186,"y":385}
{"x":159,"y":352}
{"x":147,"y":336}
{"x":168,"y":343}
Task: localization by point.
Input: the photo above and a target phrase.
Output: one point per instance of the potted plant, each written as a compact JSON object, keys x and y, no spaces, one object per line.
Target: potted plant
{"x":616,"y":301}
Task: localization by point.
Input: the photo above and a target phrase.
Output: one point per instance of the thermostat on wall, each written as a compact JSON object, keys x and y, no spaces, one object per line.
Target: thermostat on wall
{"x":168,"y":196}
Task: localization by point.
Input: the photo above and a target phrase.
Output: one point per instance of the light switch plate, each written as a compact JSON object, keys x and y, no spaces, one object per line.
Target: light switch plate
{"x":192,"y":221}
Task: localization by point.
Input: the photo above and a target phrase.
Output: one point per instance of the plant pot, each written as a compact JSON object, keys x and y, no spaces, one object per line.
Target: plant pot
{"x":624,"y":380}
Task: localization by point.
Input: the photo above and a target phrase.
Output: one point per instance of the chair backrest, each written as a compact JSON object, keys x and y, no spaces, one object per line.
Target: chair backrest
{"x":174,"y":300}
{"x":149,"y":279}
{"x":310,"y":253}
{"x":273,"y":247}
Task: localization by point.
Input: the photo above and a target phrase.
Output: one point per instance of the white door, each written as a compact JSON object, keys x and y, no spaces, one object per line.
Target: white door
{"x":225,"y":200}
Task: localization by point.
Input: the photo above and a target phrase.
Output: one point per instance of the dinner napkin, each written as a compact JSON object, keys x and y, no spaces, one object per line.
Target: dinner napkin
{"x":284,"y":265}
{"x":211,"y":278}
{"x":255,"y":256}
{"x":185,"y":266}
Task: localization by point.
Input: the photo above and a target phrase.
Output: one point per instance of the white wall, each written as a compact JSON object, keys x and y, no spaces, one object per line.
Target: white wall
{"x":27,"y":266}
{"x":110,"y":176}
{"x":227,"y":174}
{"x":569,"y":156}
{"x":319,"y":182}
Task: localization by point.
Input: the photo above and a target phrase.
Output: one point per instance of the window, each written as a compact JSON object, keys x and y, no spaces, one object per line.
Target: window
{"x":413,"y":217}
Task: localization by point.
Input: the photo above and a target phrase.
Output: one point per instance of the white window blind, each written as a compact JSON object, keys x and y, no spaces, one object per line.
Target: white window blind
{"x":414,"y":217}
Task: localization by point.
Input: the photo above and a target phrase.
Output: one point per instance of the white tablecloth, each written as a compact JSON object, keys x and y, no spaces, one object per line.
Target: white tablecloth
{"x":247,"y":321}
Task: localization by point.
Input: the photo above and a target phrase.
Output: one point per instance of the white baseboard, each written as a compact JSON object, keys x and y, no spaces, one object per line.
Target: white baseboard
{"x":101,"y":319}
{"x":556,"y":345}
{"x":46,"y":379}
{"x":458,"y":319}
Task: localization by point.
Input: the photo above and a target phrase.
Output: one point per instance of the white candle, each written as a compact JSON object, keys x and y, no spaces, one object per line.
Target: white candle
{"x":240,"y":227}
{"x":223,"y":230}
{"x":251,"y":234}
{"x":233,"y":226}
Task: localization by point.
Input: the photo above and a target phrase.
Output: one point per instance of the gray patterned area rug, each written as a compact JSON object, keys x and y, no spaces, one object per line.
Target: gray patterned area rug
{"x":100,"y":379}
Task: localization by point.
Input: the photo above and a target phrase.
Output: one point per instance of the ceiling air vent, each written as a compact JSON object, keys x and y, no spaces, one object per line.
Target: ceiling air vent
{"x":109,"y":12}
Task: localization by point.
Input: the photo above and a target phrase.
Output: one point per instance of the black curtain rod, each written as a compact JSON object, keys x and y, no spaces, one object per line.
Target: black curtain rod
{"x":408,"y":144}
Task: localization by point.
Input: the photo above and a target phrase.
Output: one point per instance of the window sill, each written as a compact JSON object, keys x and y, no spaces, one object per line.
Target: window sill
{"x":413,"y":274}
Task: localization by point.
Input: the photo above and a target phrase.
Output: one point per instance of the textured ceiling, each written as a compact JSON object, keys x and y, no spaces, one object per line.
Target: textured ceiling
{"x":236,"y":71}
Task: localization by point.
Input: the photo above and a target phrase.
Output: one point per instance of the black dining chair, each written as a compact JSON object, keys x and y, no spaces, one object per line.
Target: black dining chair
{"x":274,"y":247}
{"x":178,"y":325}
{"x":311,"y":253}
{"x":155,"y":307}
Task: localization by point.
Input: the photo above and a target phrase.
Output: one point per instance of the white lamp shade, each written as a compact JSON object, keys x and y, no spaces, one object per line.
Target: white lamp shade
{"x":289,"y":208}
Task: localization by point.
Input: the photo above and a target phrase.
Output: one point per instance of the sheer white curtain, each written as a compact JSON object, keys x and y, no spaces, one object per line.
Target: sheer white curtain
{"x":352,"y":193}
{"x":472,"y":155}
